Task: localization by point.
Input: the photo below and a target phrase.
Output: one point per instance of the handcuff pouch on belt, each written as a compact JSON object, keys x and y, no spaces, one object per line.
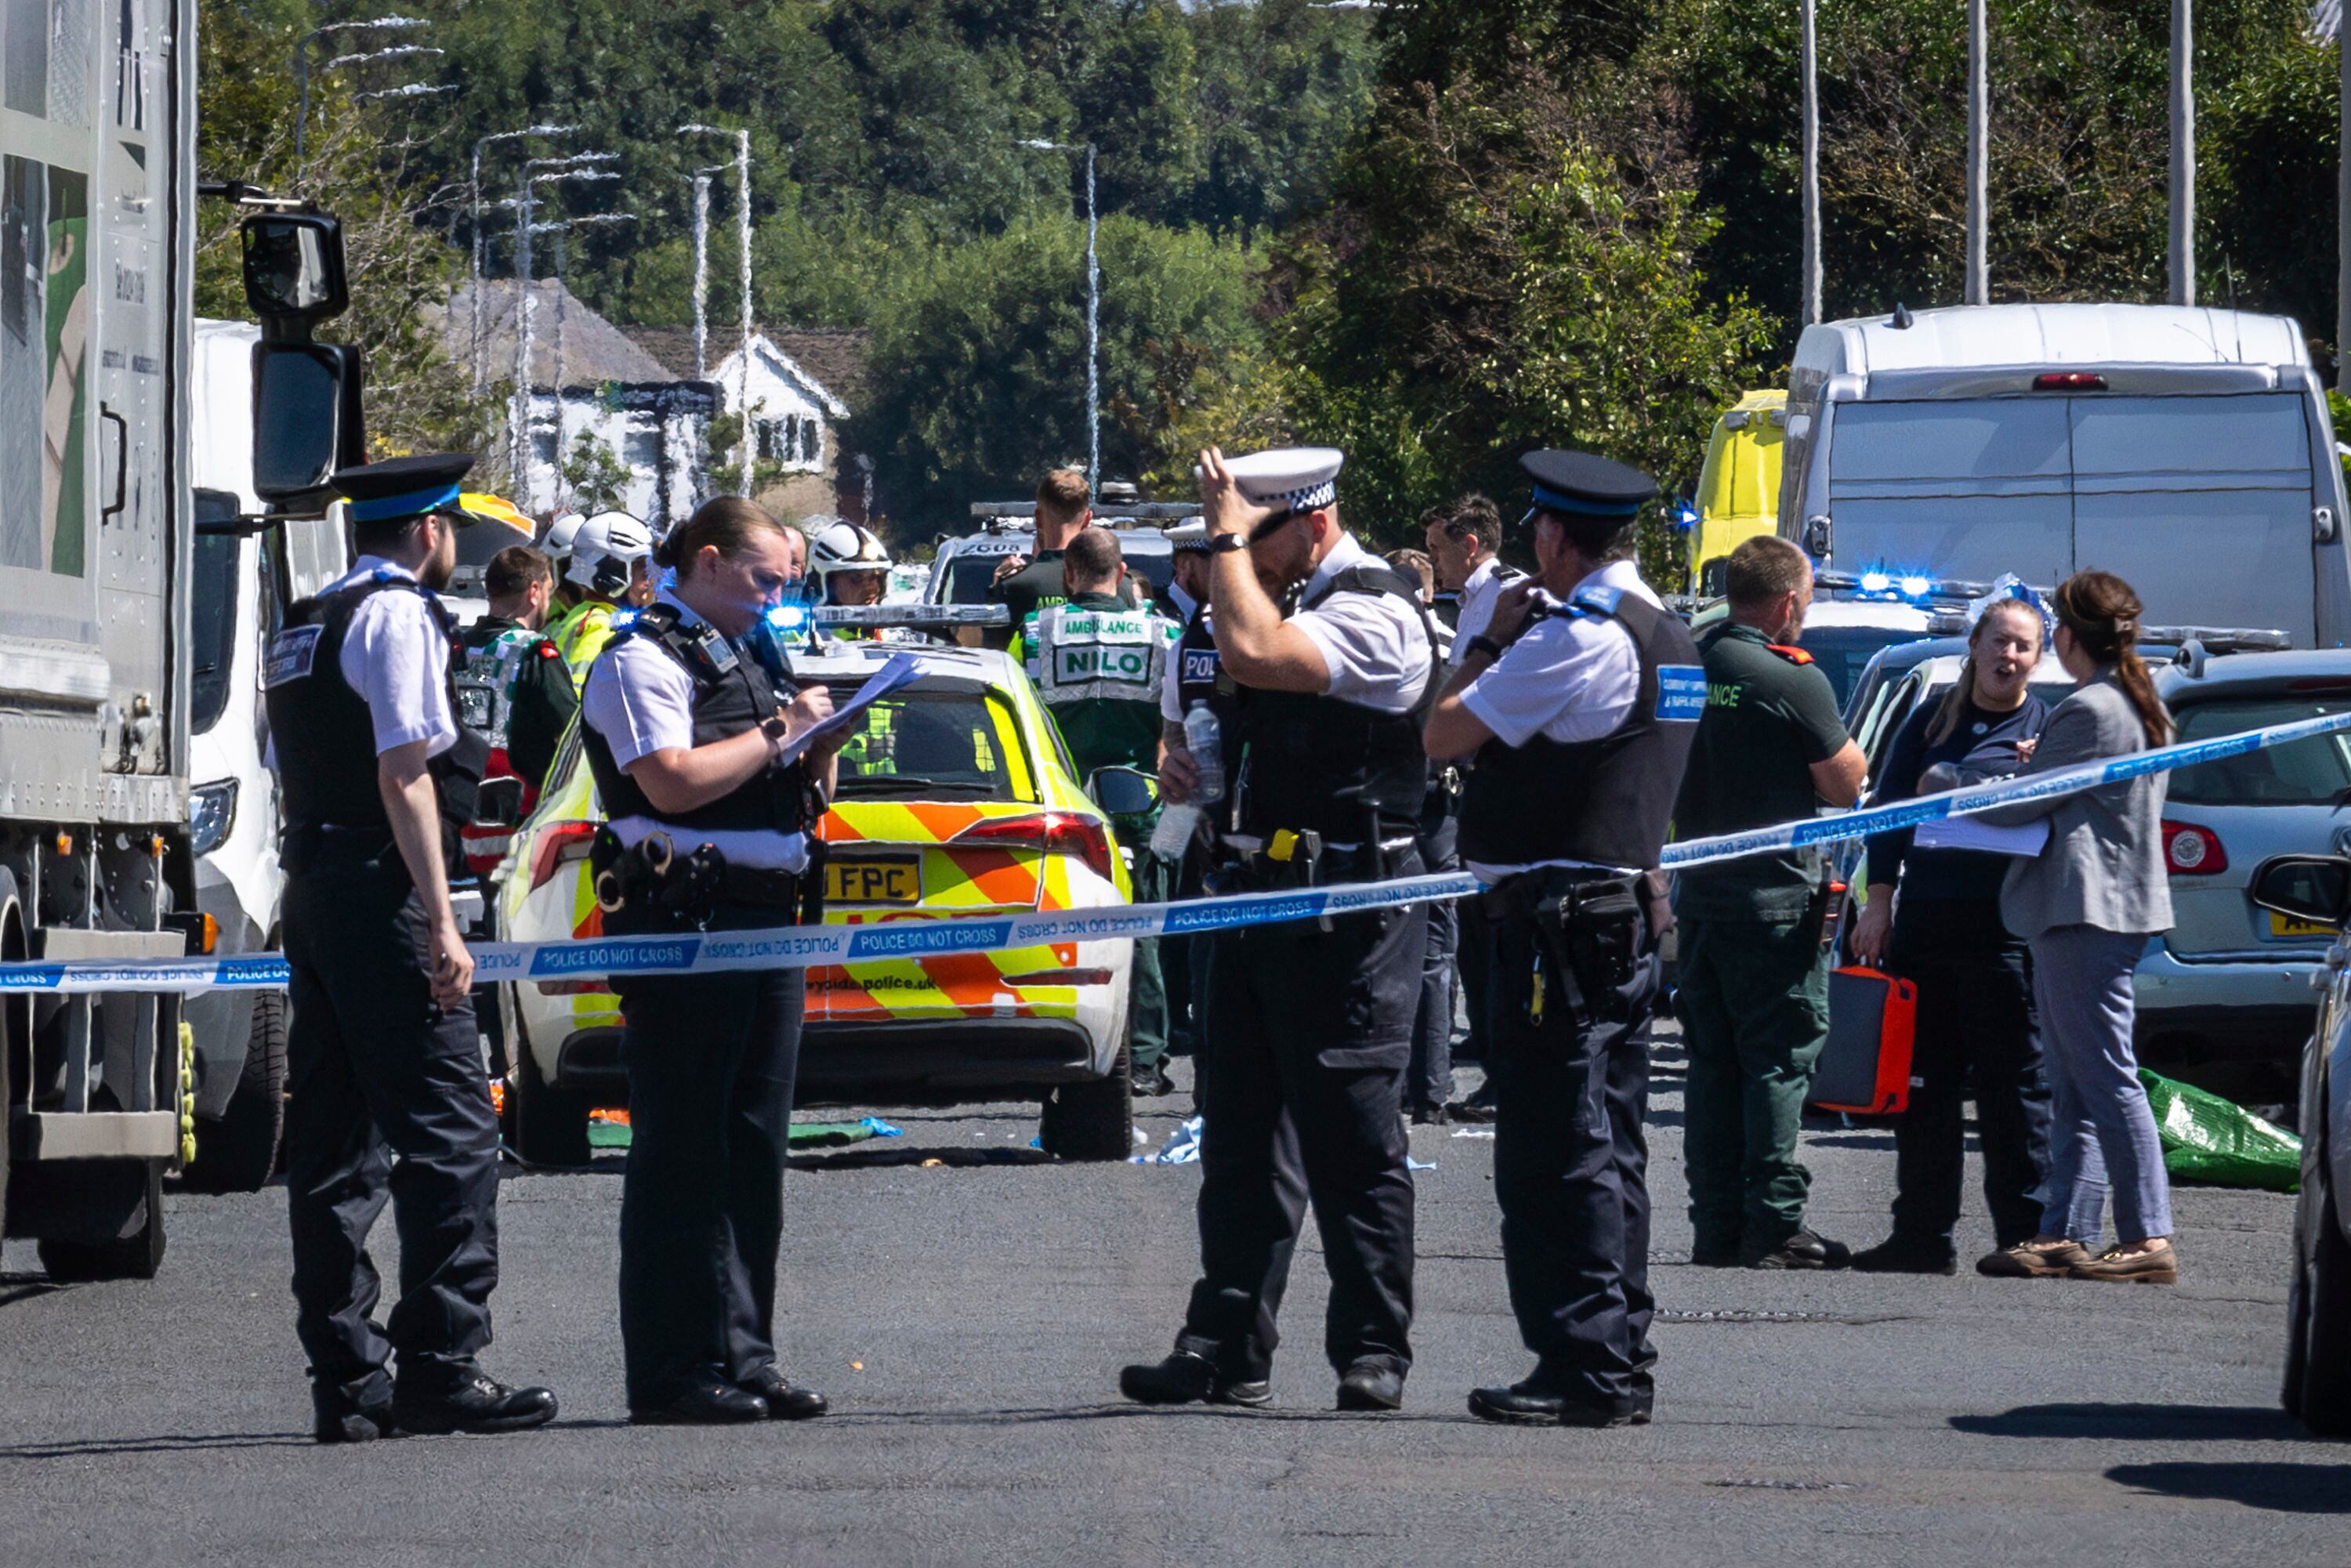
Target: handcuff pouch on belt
{"x":652,"y":874}
{"x":1588,"y":934}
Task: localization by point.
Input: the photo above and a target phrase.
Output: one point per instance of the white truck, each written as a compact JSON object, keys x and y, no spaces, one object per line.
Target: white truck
{"x":98,"y":529}
{"x":2187,"y":450}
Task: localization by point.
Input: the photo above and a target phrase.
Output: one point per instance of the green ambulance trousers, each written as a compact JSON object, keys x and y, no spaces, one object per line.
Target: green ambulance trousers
{"x":1154,"y":882}
{"x":1753,"y":998}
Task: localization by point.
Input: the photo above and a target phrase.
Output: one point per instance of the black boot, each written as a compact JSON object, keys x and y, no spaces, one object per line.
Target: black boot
{"x":1186,"y":1378}
{"x":710,"y":1403}
{"x":785,"y":1401}
{"x":1899,"y":1255}
{"x":1538,"y":1402}
{"x":1802,"y":1250}
{"x":466,"y":1399}
{"x":1371,"y":1385}
{"x":339,"y":1418}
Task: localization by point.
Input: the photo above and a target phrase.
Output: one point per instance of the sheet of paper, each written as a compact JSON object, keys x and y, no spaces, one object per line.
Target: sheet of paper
{"x":900,"y":671}
{"x":1967,"y":833}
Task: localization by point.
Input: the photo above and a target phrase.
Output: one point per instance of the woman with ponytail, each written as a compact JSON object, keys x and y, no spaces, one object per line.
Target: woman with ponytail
{"x":2086,"y":905}
{"x":1974,"y":979}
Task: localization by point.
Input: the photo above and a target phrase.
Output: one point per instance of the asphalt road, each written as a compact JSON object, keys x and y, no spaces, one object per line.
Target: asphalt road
{"x":968,"y":1318}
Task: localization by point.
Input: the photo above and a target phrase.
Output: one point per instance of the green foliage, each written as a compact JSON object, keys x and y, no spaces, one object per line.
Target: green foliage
{"x":593,"y":478}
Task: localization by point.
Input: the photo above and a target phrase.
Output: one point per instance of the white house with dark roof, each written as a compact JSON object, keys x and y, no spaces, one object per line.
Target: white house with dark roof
{"x":796,"y":415}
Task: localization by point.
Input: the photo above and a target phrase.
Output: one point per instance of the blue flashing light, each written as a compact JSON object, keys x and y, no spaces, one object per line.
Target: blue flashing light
{"x":1877,"y":583}
{"x":1916,"y":587}
{"x":789,"y":617}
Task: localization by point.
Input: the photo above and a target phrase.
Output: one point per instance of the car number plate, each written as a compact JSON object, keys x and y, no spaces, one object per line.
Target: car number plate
{"x":871,"y":880}
{"x":2286,"y":925}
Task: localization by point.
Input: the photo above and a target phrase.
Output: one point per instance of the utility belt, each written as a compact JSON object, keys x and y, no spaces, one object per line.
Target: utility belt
{"x":689,"y":888}
{"x":1289,"y":860}
{"x":303,"y":846}
{"x":1593,"y":931}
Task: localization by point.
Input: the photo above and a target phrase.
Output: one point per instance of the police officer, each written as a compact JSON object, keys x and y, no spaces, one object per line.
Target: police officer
{"x":1579,"y":700}
{"x":1099,"y":668}
{"x":1309,"y":1023}
{"x":529,"y":692}
{"x":1192,"y":677}
{"x":609,"y":558}
{"x":1753,"y":995}
{"x":687,"y":725}
{"x":386,"y":1089}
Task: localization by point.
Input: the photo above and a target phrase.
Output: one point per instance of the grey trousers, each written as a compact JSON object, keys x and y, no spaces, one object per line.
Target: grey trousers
{"x":2101,"y":1134}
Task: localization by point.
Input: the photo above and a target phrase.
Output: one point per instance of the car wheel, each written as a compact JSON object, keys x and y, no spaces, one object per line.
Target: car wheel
{"x":2319,"y":1313}
{"x":550,"y":1124}
{"x":136,"y":1256}
{"x":1092,"y":1121}
{"x":237,"y":1151}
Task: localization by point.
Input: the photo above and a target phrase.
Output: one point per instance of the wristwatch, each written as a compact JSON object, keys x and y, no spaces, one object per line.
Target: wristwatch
{"x":1224,"y":544}
{"x":1481,"y":643}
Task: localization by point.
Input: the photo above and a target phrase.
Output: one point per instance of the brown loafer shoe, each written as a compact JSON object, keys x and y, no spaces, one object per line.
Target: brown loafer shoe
{"x":2156,"y":1266}
{"x":2022,"y":1262}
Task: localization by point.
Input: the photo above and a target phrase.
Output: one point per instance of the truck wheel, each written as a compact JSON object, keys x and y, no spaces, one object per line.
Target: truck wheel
{"x":550,"y":1124}
{"x":1092,"y":1121}
{"x":133,"y":1257}
{"x":2319,"y":1313}
{"x":238,"y":1151}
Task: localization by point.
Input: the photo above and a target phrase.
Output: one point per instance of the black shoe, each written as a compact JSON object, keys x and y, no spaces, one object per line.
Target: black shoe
{"x":1802,"y":1250}
{"x":1535,"y":1402}
{"x":1896,"y":1256}
{"x":1153,"y":1084}
{"x":1429,"y":1115}
{"x":708,"y":1404}
{"x":1714,"y":1255}
{"x":1477,"y":1108}
{"x":785,"y":1400}
{"x":470,"y":1401}
{"x":337,"y":1419}
{"x":1371,"y":1385}
{"x":1186,"y":1378}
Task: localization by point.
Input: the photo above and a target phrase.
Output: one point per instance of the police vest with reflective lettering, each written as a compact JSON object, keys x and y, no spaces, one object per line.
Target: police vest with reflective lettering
{"x":1604,"y":801}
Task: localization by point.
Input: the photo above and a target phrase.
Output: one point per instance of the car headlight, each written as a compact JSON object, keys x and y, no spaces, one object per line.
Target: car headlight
{"x":212,"y":812}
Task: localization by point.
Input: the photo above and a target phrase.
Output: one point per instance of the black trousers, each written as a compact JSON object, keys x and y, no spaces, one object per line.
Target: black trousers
{"x":1428,"y":1079}
{"x":1571,"y":1168}
{"x":387,"y":1100}
{"x":1301,"y":1063}
{"x":1975,"y":1024}
{"x":711,"y":1059}
{"x":1473,"y":953}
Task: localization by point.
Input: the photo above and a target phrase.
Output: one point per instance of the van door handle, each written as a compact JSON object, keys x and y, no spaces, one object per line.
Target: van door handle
{"x":122,"y":460}
{"x":2322,"y":524}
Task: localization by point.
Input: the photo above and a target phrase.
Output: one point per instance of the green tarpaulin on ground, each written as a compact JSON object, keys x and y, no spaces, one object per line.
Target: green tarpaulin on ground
{"x":2209,"y":1139}
{"x":603,"y":1135}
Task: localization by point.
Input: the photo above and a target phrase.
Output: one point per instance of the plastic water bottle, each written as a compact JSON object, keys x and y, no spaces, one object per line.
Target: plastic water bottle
{"x":1204,"y":738}
{"x":1173,"y":834}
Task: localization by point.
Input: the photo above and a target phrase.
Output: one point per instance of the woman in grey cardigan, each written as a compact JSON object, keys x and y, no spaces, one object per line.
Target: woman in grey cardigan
{"x":2087,"y":906}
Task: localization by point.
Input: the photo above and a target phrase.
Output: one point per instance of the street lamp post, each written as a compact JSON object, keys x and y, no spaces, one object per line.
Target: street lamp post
{"x":1978,"y":290}
{"x":702,"y":269}
{"x":302,"y":67}
{"x":1810,"y":291}
{"x":743,"y":233}
{"x":1093,"y":315}
{"x":580,"y":166}
{"x":474,"y":196}
{"x":2183,"y":152}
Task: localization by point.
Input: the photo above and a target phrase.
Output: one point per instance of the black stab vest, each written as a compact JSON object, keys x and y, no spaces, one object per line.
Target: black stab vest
{"x":732,"y":693}
{"x":1200,"y":672}
{"x":1316,"y":762}
{"x":324,"y":735}
{"x":1604,"y":801}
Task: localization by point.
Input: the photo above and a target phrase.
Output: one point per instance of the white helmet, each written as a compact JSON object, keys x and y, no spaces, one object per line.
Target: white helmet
{"x":606,"y":546}
{"x":836,"y":544}
{"x":559,"y":534}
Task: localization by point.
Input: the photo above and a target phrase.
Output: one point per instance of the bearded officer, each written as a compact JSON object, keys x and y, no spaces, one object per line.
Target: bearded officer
{"x":1309,"y":1022}
{"x":386,"y":1089}
{"x":1579,"y":701}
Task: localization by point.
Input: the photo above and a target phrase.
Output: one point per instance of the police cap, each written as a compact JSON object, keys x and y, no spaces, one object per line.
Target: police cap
{"x":1584,"y":483}
{"x":401,"y":487}
{"x":1191,"y":535}
{"x":1293,"y":478}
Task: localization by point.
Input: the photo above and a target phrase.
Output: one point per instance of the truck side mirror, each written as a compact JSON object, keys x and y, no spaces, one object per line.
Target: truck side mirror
{"x":2314,"y":888}
{"x":294,"y":275}
{"x":306,"y":422}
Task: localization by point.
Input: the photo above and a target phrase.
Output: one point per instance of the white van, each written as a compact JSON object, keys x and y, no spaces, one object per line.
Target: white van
{"x":2187,"y":450}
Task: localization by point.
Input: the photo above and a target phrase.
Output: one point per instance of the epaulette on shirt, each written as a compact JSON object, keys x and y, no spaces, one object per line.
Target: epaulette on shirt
{"x":1793,"y":655}
{"x":1596,"y":599}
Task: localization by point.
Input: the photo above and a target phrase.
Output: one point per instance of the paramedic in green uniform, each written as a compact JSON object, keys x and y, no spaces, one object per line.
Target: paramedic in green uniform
{"x":1754,"y":980}
{"x":1098,"y":666}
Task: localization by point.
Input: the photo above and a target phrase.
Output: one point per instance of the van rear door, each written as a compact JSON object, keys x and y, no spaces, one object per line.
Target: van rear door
{"x":2202,"y":503}
{"x":1957,"y":488}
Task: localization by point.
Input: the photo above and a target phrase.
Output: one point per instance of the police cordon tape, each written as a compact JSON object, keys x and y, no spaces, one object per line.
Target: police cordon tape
{"x":934,"y":936}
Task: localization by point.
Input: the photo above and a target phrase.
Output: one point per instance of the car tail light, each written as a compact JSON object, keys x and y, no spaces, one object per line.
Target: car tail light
{"x":2069,"y":381}
{"x":2192,"y":850}
{"x":1055,"y":832}
{"x":560,"y":845}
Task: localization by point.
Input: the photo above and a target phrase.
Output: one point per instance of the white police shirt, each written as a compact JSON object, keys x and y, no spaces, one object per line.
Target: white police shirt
{"x":1567,"y":678}
{"x":1483,"y":587}
{"x":640,"y":700}
{"x":1375,"y":646}
{"x":396,"y":657}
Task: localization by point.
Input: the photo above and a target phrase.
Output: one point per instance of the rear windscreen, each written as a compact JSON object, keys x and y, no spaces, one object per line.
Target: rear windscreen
{"x":1841,"y":652}
{"x":2311,"y":772}
{"x":947,"y":746}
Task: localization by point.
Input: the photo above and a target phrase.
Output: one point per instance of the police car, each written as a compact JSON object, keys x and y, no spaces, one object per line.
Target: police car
{"x":956,"y":798}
